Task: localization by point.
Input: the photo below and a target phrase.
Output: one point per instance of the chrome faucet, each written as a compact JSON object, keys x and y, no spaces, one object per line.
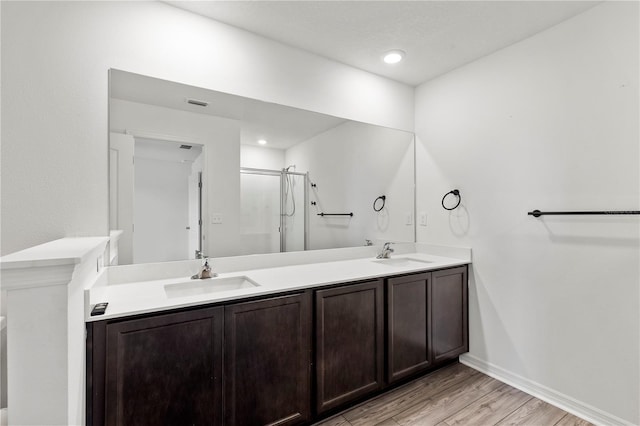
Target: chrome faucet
{"x":199,"y":254}
{"x":386,"y":251}
{"x":205,"y":271}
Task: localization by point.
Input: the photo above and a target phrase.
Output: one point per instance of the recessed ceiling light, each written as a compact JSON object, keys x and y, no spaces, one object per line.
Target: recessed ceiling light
{"x":262,"y":142}
{"x":393,"y":56}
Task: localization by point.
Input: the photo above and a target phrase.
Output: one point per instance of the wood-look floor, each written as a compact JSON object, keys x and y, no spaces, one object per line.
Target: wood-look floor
{"x":454,"y":395}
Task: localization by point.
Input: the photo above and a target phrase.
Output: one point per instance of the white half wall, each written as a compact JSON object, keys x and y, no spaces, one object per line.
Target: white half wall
{"x":45,"y":288}
{"x":55,"y":59}
{"x":550,"y":123}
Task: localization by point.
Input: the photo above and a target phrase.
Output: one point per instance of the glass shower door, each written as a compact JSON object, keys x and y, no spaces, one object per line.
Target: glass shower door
{"x":273,"y":211}
{"x":260,"y":212}
{"x":293,"y":211}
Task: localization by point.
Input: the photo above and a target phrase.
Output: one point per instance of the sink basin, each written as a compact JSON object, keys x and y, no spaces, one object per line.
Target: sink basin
{"x":401,"y":261}
{"x":213,"y":285}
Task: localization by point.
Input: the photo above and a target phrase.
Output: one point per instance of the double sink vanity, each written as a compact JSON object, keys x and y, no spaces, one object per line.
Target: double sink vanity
{"x":273,"y":339}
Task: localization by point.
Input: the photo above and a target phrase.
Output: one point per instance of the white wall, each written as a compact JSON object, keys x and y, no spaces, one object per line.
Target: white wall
{"x":54,"y":97}
{"x":257,"y":157}
{"x":550,"y":123}
{"x":351,"y":165}
{"x":121,"y":192}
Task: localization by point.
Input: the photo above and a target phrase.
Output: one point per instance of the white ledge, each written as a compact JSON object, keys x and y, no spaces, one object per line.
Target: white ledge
{"x":48,"y":264}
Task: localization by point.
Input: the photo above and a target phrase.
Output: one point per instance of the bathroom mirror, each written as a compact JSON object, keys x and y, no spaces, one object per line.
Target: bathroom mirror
{"x":197,"y":172}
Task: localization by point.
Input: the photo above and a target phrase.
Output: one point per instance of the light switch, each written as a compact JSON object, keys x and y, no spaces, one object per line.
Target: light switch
{"x":409,"y":218}
{"x":423,"y":218}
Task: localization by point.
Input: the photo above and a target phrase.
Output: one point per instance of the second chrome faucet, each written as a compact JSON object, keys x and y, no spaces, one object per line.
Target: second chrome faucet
{"x":205,"y":271}
{"x":386,"y":251}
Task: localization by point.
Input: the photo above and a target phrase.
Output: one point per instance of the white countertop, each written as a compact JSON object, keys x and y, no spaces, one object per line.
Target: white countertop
{"x":127,"y":299}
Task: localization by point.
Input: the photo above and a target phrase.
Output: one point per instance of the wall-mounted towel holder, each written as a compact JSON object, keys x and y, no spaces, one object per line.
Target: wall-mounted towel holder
{"x":382,"y":198}
{"x":454,"y":192}
{"x":538,"y":213}
{"x":335,"y":214}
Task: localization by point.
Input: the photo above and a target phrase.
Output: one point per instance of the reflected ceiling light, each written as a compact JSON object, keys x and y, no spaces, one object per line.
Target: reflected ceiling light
{"x":262,"y":142}
{"x":393,"y":56}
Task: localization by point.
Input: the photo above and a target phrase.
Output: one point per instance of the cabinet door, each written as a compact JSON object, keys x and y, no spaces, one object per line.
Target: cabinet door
{"x":449,"y":313}
{"x":165,"y":370}
{"x":349,"y":342}
{"x":268,"y":361}
{"x":408,"y":325}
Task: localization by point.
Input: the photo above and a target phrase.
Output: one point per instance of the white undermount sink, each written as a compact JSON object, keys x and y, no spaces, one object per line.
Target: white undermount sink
{"x":400,"y":261}
{"x":211,"y":285}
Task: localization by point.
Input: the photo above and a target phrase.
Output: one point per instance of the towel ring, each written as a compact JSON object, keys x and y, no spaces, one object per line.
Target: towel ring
{"x":383,"y":198}
{"x":457,"y":194}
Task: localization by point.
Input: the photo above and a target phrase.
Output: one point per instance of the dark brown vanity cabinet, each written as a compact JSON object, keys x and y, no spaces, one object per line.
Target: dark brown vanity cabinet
{"x":426,"y":320}
{"x":408,"y":325}
{"x":267,"y":357}
{"x":165,"y":369}
{"x":349,"y":342}
{"x":253,"y":362}
{"x":449,"y":307}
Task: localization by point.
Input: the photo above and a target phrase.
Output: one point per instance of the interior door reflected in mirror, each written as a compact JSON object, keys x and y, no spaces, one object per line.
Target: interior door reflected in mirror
{"x":156,"y":190}
{"x":195,"y":172}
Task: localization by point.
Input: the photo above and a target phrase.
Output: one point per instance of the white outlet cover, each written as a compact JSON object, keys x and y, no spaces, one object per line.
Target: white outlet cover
{"x":423,"y":218}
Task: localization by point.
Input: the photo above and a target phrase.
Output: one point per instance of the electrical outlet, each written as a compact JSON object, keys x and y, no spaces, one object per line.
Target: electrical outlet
{"x":216,"y":218}
{"x":409,"y":219}
{"x":423,"y":219}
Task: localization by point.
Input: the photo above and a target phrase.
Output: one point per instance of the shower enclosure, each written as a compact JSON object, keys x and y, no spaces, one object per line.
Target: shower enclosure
{"x":273,"y":209}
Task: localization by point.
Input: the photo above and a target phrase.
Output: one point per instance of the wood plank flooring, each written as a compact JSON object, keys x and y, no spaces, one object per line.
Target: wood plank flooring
{"x":453,"y":396}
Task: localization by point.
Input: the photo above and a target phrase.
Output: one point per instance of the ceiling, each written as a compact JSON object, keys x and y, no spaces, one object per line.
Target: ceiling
{"x":167,"y":150}
{"x":280,"y":125}
{"x":437,"y":36}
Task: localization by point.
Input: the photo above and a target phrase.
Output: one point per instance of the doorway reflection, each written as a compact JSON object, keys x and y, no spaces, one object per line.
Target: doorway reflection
{"x":167,"y":199}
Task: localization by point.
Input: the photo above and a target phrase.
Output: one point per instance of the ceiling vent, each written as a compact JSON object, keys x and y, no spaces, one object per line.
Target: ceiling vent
{"x":197,"y":102}
{"x":185,"y":146}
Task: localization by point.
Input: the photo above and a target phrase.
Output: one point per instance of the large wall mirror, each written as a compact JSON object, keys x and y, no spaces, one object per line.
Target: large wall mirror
{"x":195,"y":172}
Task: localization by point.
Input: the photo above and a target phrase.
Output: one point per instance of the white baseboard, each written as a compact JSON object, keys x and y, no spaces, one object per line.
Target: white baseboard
{"x":560,"y":400}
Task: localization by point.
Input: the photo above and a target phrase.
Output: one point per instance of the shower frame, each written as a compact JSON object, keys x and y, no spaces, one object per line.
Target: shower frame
{"x":283,"y":173}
